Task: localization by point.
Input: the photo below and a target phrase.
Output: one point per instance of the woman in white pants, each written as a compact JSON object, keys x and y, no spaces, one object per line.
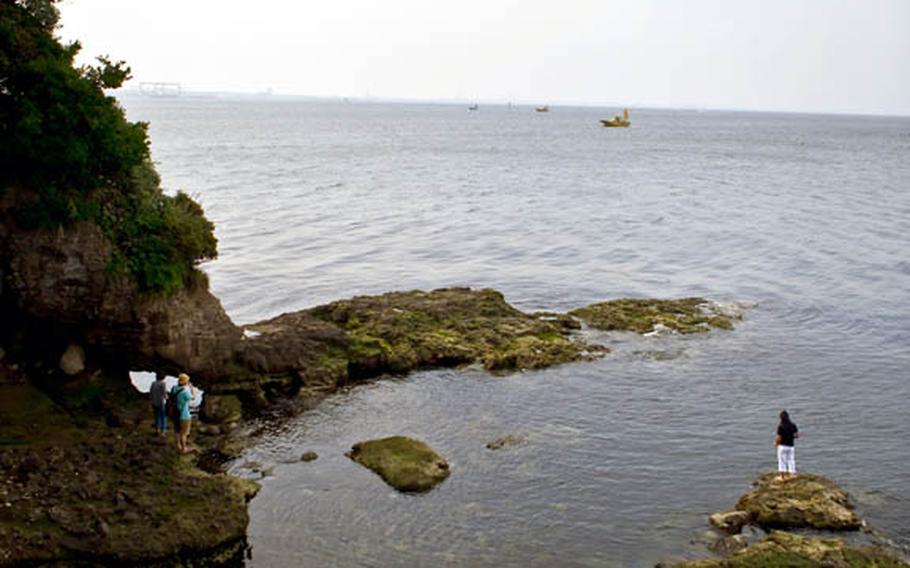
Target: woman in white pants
{"x":787,"y":432}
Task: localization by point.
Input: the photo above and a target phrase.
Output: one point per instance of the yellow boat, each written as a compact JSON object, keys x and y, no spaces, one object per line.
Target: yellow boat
{"x":618,"y":121}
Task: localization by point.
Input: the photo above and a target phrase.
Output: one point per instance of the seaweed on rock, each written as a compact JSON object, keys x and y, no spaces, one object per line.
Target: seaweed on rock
{"x":406,"y":464}
{"x":804,"y":501}
{"x":687,"y":315}
{"x":785,"y":550}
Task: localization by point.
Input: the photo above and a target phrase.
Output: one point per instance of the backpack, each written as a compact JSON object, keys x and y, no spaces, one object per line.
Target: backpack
{"x":170,"y":407}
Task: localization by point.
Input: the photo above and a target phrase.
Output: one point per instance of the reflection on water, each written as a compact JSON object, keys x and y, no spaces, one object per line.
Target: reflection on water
{"x":625,"y":456}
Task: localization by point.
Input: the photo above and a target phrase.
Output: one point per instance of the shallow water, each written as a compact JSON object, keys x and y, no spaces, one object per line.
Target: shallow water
{"x":805,"y":215}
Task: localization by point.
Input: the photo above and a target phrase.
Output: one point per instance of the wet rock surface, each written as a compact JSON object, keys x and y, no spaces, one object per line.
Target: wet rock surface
{"x":687,"y":315}
{"x":406,"y":464}
{"x":730,"y":522}
{"x":807,"y":502}
{"x":804,"y":501}
{"x":328,"y":346}
{"x":781,"y":549}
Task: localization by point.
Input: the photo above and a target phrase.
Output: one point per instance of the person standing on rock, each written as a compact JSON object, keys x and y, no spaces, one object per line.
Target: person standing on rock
{"x":158,"y":397}
{"x":787,"y":432}
{"x":183,"y":394}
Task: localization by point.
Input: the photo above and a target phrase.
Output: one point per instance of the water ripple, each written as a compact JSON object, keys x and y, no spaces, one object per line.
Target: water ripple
{"x":805,"y":215}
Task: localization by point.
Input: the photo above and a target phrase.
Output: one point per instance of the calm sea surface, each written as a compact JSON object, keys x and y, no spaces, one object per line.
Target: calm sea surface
{"x":807,"y":216}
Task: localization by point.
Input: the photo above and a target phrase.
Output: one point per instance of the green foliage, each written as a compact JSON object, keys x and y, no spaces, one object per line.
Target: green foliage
{"x":107,"y":75}
{"x":67,"y":143}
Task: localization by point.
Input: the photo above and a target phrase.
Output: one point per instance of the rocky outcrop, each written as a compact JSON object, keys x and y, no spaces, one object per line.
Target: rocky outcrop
{"x":406,"y":464}
{"x":730,"y":522}
{"x":327,"y":346}
{"x":804,"y":501}
{"x":688,"y":315}
{"x":59,"y":284}
{"x":784,"y":549}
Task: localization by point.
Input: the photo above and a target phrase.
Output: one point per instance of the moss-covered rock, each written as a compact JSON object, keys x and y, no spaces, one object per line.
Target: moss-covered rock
{"x":88,"y":491}
{"x":404,"y":463}
{"x":688,"y":315}
{"x":401,"y":331}
{"x":221,"y":409}
{"x":804,"y":501}
{"x":785,"y":550}
{"x":730,"y":522}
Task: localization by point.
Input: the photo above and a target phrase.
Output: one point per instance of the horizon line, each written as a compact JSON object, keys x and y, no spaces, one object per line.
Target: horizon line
{"x":135,"y":90}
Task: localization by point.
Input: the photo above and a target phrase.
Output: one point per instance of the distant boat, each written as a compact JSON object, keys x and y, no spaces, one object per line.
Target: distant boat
{"x":544,"y":108}
{"x":618,"y":121}
{"x":473,"y":107}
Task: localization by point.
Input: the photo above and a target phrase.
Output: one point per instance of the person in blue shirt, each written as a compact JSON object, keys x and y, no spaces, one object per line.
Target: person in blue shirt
{"x":183,"y":394}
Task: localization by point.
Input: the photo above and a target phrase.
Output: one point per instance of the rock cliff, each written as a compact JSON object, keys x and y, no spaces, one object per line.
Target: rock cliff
{"x":58,"y":289}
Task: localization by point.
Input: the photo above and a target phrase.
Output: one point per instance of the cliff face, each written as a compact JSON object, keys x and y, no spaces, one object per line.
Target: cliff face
{"x":57,"y":284}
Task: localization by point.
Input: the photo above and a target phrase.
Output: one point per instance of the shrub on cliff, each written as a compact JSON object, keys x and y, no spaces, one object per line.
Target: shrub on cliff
{"x":70,"y":148}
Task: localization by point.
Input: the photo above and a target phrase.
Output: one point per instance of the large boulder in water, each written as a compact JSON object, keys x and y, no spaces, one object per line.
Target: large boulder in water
{"x":404,"y":463}
{"x":804,"y":501}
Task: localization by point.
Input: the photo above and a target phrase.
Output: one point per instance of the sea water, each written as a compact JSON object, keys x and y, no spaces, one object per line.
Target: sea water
{"x":806,"y":216}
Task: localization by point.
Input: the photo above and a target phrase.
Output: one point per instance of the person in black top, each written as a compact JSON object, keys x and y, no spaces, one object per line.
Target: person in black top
{"x":787,"y":432}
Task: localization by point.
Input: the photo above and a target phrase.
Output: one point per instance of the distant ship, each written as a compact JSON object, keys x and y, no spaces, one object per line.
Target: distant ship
{"x":544,"y":108}
{"x":473,"y":107}
{"x":618,"y":121}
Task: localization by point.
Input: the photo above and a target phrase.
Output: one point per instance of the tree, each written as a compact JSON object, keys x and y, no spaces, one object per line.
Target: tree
{"x":68,"y":145}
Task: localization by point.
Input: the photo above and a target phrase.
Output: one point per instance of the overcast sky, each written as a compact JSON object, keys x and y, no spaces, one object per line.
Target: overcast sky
{"x":792,"y":55}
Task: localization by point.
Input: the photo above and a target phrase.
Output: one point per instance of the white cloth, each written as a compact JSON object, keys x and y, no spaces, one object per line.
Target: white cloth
{"x":786,"y":459}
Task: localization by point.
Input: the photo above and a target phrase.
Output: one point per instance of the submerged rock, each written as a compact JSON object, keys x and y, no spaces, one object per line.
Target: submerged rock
{"x":688,"y":315}
{"x":781,"y":549}
{"x":805,"y":501}
{"x":508,"y":441}
{"x":404,"y":463}
{"x":309,"y":456}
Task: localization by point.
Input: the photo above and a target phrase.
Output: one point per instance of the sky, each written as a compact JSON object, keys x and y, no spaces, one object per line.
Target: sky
{"x":837,"y":56}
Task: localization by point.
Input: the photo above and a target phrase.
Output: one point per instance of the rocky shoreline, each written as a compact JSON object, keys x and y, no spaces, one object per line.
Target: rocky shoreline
{"x":84,"y":474}
{"x":85,"y":479}
{"x":93,"y":475}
